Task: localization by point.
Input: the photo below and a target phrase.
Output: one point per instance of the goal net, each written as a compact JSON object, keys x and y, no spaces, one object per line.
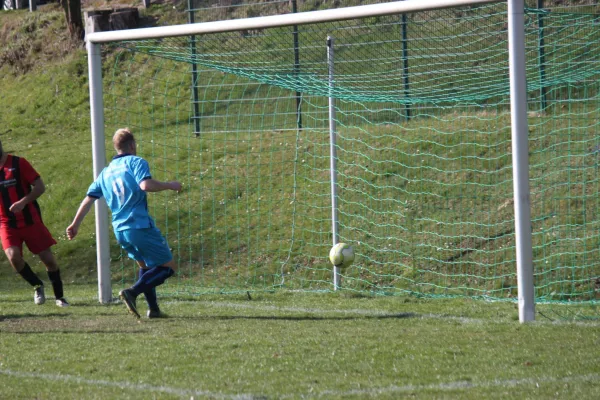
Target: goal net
{"x":424,"y":175}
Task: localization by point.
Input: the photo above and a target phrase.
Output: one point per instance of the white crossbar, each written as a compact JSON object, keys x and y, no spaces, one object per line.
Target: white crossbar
{"x":338,"y":14}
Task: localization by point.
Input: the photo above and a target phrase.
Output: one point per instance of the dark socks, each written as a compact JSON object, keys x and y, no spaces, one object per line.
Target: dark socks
{"x":57,"y":284}
{"x":30,"y":276}
{"x":151,"y":293}
{"x":154,"y":277}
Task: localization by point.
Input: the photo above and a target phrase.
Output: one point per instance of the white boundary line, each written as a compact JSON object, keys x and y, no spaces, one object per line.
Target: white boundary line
{"x":443,"y":386}
{"x":121,"y":385}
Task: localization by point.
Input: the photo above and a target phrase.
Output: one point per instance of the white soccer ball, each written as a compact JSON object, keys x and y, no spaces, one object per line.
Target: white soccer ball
{"x":341,"y":255}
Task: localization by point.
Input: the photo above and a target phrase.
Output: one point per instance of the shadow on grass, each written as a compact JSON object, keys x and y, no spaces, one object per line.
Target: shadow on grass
{"x":299,"y":318}
{"x":19,"y":301}
{"x":97,"y":304}
{"x":78,"y":332}
{"x":29,"y":315}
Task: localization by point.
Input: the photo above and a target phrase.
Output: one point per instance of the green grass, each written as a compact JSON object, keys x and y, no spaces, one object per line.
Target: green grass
{"x":289,"y":345}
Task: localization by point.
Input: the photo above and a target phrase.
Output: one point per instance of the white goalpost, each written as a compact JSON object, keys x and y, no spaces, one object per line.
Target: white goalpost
{"x":518,"y":110}
{"x":520,"y":157}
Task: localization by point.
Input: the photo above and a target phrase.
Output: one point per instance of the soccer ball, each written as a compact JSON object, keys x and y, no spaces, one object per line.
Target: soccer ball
{"x":341,"y":255}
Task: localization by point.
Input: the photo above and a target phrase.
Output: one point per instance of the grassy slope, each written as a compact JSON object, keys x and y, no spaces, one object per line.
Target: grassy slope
{"x":45,"y":114}
{"x":44,"y":109}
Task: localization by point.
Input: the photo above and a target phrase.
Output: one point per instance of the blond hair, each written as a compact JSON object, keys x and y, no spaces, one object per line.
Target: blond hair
{"x":123,"y":139}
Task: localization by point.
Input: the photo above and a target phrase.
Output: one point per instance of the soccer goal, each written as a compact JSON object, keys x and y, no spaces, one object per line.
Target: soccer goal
{"x":453,"y":143}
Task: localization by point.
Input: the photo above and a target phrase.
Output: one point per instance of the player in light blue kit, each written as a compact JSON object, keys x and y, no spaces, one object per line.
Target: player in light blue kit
{"x":124,"y":183}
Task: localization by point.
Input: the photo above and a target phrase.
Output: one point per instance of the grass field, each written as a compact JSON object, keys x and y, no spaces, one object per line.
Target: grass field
{"x":290,"y":345}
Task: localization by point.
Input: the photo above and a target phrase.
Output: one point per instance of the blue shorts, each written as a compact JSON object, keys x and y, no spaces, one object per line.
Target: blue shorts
{"x":147,"y":245}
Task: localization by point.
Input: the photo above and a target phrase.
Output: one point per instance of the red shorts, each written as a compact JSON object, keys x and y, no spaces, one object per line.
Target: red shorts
{"x":36,"y":237}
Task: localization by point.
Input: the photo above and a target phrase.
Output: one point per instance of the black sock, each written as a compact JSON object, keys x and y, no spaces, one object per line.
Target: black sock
{"x":150,"y":293}
{"x":57,"y":284}
{"x":154,"y":277}
{"x":30,"y":276}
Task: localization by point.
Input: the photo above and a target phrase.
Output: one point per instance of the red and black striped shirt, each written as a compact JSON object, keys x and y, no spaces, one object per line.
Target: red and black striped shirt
{"x":16,"y":179}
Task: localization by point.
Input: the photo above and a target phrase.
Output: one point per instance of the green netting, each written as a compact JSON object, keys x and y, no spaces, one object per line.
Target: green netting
{"x":423,"y":147}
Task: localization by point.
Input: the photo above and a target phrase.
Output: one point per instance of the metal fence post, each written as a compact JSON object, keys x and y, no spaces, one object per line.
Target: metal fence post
{"x":405,"y":65}
{"x":542,"y":56}
{"x":196,"y":116}
{"x":294,"y":6}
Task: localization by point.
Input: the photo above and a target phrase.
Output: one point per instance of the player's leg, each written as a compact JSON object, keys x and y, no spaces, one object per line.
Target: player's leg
{"x":133,"y":253}
{"x":154,"y":277}
{"x":39,"y":241}
{"x":157,"y":256}
{"x":54,"y":275}
{"x":12,"y":243}
{"x":15,"y":258}
{"x":160,"y":260}
{"x":150,"y":295}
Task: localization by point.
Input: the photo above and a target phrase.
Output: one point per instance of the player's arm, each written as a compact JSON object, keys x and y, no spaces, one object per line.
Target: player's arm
{"x":84,"y":209}
{"x":152,"y":185}
{"x":37,"y":189}
{"x":141,"y":172}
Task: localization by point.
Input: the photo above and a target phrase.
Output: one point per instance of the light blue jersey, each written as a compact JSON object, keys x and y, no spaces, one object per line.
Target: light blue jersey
{"x":119,"y":184}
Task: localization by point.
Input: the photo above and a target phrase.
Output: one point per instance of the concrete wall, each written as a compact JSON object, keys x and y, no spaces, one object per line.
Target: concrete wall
{"x":111,"y":19}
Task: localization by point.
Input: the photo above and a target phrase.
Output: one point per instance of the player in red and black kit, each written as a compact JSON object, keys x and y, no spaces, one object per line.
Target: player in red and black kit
{"x":21,"y":222}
